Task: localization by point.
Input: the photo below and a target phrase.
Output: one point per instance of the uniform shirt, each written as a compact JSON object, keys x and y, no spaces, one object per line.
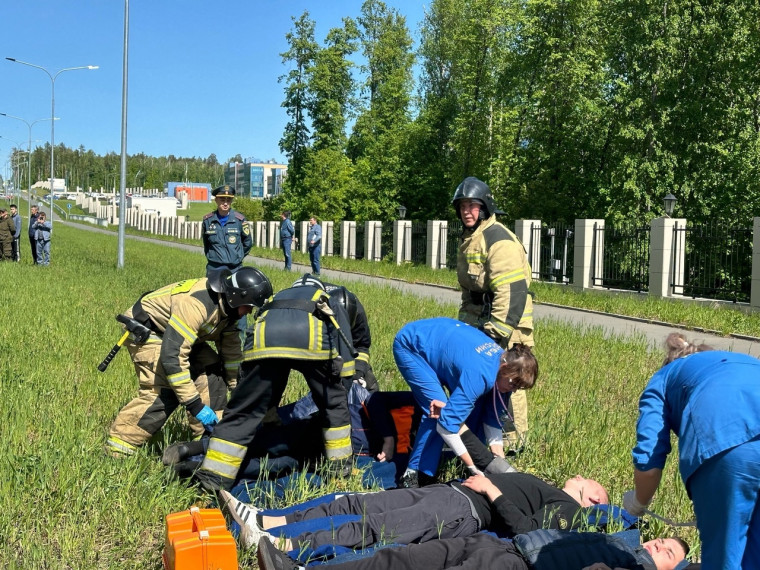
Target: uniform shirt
{"x":226,"y":242}
{"x":710,"y":400}
{"x":287,"y":327}
{"x":526,"y":503}
{"x":185,"y":313}
{"x":7,"y":229}
{"x":492,"y":259}
{"x":314,"y":237}
{"x":465,"y":361}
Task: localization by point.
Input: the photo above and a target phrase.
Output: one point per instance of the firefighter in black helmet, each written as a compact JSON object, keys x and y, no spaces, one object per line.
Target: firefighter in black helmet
{"x":494,"y":274}
{"x":181,"y":318}
{"x":301,"y":328}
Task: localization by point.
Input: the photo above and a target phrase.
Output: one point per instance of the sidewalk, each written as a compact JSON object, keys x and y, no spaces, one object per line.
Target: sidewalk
{"x":613,"y":325}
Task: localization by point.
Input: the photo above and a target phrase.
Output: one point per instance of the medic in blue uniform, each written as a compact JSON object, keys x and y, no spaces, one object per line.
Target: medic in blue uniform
{"x":711,"y":401}
{"x":440,"y":356}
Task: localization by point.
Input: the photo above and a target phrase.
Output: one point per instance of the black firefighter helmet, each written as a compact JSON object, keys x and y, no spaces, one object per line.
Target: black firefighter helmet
{"x":247,"y":286}
{"x":473,"y":189}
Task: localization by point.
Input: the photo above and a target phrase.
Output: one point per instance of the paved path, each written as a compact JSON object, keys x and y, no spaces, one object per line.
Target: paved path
{"x":611,"y":324}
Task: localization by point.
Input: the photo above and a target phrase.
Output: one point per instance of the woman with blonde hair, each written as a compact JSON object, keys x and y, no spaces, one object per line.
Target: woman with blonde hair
{"x":711,"y":400}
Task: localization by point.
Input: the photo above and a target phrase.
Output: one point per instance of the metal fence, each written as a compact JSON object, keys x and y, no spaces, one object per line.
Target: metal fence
{"x":625,"y":257}
{"x":555,"y":254}
{"x":452,"y":244}
{"x":717,"y":261}
{"x":337,"y":252}
{"x":419,"y":242}
{"x":359,"y":241}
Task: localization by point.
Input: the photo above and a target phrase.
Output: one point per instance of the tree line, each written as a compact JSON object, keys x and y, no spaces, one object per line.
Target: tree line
{"x":566,"y":108}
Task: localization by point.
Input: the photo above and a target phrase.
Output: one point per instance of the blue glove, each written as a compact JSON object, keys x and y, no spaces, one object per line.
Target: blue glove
{"x":207,"y":417}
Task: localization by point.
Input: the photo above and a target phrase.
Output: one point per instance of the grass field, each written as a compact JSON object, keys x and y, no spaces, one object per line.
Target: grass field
{"x":67,"y":505}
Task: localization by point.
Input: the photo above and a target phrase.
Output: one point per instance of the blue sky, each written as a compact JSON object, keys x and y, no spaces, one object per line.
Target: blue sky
{"x":202,"y":73}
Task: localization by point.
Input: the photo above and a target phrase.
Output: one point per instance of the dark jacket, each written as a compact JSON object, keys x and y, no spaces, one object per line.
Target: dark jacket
{"x":226,"y":244}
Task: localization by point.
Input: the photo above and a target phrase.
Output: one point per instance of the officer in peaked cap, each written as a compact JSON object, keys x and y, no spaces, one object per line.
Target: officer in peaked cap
{"x":226,"y":233}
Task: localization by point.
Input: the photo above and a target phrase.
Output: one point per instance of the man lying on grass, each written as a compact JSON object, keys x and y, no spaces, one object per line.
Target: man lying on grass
{"x":534,"y":550}
{"x":505,"y":503}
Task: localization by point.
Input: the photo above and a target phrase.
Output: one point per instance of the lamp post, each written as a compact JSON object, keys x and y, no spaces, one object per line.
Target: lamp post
{"x":14,"y":165}
{"x":670,"y":204}
{"x":52,"y":77}
{"x":29,"y":173}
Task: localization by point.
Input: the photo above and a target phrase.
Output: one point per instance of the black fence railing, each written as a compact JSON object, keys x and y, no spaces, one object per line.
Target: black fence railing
{"x":359,"y":241}
{"x":716,"y":262}
{"x":337,"y":252}
{"x":419,"y":242}
{"x":452,"y":244}
{"x":624,"y":260}
{"x":550,"y":252}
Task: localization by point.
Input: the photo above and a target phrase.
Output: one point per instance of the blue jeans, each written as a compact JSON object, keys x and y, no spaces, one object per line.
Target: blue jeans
{"x":314,"y":253}
{"x":286,"y":243}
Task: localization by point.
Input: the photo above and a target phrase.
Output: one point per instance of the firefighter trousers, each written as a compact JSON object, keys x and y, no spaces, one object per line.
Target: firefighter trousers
{"x":262,"y":383}
{"x":146,"y":414}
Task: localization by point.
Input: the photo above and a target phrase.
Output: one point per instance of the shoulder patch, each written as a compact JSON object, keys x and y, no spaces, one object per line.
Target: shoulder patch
{"x":207,"y":216}
{"x":239,"y":216}
{"x":495,"y":233}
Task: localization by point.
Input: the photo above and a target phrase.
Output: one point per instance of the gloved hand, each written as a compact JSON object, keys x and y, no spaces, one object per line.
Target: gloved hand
{"x":474,"y":470}
{"x":207,"y":417}
{"x":632,"y":504}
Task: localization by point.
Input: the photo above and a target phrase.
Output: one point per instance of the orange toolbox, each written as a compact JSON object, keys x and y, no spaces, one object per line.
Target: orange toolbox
{"x":198,"y":539}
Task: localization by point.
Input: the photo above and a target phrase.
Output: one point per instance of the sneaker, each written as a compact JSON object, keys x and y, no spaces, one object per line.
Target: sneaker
{"x":245,"y":515}
{"x":410,"y":480}
{"x":270,"y":557}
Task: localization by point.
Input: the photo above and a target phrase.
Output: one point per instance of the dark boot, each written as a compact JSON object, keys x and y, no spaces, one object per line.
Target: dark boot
{"x":211,"y":481}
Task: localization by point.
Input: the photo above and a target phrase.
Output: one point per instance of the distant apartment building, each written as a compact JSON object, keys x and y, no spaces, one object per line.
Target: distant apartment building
{"x":256,"y":178}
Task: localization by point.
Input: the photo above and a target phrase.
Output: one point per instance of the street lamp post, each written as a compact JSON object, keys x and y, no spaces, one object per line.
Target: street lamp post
{"x":52,"y":77}
{"x":29,"y":173}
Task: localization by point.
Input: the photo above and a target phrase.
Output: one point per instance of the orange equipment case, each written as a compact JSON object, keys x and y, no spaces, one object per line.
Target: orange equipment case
{"x":198,"y":539}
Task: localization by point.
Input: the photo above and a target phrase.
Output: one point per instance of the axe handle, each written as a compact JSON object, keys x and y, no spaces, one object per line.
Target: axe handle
{"x":109,"y":357}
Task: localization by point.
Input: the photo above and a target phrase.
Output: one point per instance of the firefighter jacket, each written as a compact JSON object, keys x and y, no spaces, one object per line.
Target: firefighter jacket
{"x":494,"y":273}
{"x":184,"y":313}
{"x":226,"y":244}
{"x":362,"y":340}
{"x":291,"y":326}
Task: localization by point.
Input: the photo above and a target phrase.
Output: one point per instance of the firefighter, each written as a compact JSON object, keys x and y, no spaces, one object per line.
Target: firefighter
{"x":494,"y":274}
{"x":179,"y":317}
{"x":302,"y":328}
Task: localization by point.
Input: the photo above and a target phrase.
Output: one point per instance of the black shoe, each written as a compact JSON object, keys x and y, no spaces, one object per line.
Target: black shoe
{"x":271,"y":558}
{"x":209,"y":481}
{"x":186,"y":469}
{"x":410,"y":480}
{"x":175,"y":453}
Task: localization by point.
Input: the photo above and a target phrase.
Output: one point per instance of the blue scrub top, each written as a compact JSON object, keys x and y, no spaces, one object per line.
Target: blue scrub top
{"x":464,"y":359}
{"x":710,"y":400}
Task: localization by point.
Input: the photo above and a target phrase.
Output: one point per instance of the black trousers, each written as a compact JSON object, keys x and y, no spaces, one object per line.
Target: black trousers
{"x":403,"y":516}
{"x":477,"y":552}
{"x":33,"y":244}
{"x":261,"y":385}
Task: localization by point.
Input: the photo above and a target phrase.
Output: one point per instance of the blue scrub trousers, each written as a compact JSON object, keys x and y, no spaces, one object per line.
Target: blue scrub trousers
{"x":726,"y":492}
{"x":425,"y":386}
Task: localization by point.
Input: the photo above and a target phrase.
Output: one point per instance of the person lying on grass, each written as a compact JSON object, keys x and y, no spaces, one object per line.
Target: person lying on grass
{"x":505,"y":503}
{"x":534,"y":550}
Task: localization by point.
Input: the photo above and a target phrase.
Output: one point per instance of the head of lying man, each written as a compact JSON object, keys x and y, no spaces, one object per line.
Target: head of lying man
{"x":587,"y":492}
{"x":667,"y":553}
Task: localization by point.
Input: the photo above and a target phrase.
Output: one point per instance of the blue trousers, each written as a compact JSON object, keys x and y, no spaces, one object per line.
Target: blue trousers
{"x":286,"y":243}
{"x":425,"y":386}
{"x":43,"y":252}
{"x":726,"y":495}
{"x":314,"y":253}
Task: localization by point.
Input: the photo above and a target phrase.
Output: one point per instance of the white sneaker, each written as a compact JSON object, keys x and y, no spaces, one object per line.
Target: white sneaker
{"x":245,"y":516}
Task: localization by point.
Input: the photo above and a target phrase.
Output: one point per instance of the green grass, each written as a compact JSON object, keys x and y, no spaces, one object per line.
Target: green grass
{"x":67,"y":505}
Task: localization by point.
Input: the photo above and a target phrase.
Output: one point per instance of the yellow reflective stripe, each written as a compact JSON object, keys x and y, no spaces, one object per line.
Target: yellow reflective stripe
{"x":179,"y":326}
{"x":121,"y":446}
{"x":184,"y":286}
{"x":159,"y":292}
{"x":258,"y":337}
{"x":223,"y":458}
{"x":348,"y":369}
{"x":363,"y":356}
{"x":337,"y":442}
{"x":475,"y":257}
{"x":179,"y":378}
{"x":232,"y":365}
{"x":152,"y":339}
{"x":503,"y":328}
{"x":510,"y":277}
{"x":286,"y":352}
